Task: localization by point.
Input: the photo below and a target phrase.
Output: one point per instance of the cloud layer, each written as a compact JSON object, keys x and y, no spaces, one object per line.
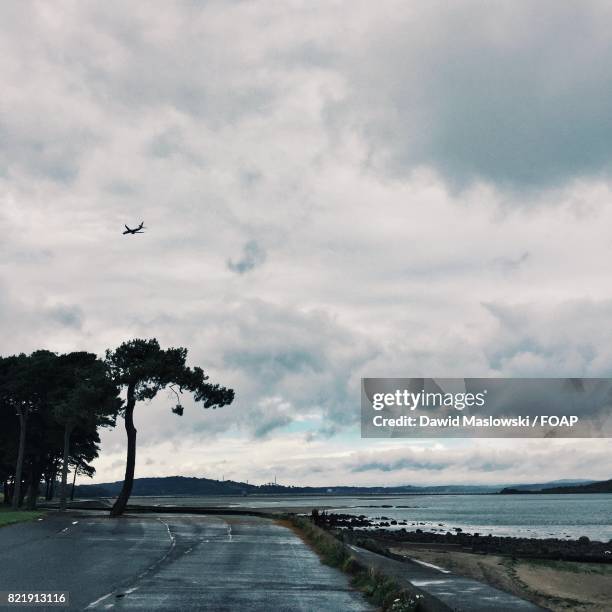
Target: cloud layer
{"x":331,"y":191}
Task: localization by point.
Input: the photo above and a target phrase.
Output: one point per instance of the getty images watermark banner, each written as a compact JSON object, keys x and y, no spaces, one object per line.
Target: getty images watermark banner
{"x":486,"y":407}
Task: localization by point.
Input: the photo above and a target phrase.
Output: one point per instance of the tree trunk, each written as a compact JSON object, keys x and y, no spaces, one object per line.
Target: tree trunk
{"x":20,"y":455}
{"x":34,"y":484}
{"x":22,"y":493}
{"x":128,"y":482}
{"x":52,"y":484}
{"x":76,"y":469}
{"x":51,"y":481}
{"x":64,"y":488}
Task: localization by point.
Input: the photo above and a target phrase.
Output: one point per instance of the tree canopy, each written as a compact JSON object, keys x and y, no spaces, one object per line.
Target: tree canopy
{"x":143,"y":368}
{"x":42,"y":396}
{"x":51,"y":407}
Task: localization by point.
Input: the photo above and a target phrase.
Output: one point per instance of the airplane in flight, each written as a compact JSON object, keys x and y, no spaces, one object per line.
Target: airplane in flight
{"x":136,"y":230}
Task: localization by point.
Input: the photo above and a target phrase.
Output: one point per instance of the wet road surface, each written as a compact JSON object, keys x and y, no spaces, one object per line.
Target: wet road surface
{"x":171,"y":562}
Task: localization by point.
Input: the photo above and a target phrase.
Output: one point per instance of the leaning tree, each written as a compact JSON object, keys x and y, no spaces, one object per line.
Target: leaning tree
{"x":143,"y":369}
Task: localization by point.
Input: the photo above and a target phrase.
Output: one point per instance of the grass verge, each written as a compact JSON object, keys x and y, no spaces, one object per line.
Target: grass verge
{"x":380,"y":590}
{"x":8,"y":516}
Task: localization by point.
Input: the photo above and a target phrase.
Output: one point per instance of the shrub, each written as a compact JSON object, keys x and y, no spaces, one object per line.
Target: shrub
{"x":380,"y":589}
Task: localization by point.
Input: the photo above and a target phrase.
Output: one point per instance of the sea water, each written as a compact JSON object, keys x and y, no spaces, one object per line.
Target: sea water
{"x":524,"y":515}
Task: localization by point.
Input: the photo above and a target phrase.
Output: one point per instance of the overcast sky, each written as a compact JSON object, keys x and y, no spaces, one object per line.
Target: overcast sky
{"x":331,"y":190}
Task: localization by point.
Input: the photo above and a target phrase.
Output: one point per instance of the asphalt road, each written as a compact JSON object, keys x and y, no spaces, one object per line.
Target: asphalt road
{"x":456,"y":592}
{"x":171,"y":562}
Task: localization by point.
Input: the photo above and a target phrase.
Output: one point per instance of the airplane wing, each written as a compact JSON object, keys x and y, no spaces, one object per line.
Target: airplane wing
{"x":127,"y":228}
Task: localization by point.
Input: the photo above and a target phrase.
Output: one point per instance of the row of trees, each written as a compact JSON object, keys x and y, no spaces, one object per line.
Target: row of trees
{"x":51,"y":407}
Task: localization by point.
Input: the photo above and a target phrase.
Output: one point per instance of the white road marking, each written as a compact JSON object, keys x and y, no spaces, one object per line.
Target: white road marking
{"x":425,"y":583}
{"x":430,"y":565}
{"x":423,"y":563}
{"x":94,"y":604}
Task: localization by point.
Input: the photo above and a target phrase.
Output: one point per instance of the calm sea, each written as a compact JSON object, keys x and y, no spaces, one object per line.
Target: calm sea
{"x":536,"y":516}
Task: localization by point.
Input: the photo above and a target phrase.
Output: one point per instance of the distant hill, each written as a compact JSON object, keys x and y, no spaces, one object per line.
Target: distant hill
{"x":170,"y":486}
{"x":550,"y":485}
{"x":604,"y":486}
{"x":177,"y":486}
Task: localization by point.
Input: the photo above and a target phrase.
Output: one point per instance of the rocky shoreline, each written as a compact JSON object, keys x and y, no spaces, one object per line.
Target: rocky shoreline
{"x":387,"y":532}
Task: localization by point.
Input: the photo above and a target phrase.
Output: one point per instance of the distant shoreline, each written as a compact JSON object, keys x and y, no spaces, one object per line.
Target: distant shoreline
{"x":593,"y":487}
{"x":181,"y":486}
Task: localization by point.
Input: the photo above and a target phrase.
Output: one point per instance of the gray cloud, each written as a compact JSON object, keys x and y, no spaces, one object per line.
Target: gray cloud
{"x":286,"y":360}
{"x":485,"y":459}
{"x":508,"y":265}
{"x":516,"y":94}
{"x":269,"y":425}
{"x":68,"y":316}
{"x":48,"y":150}
{"x":294,"y":360}
{"x":570,"y":338}
{"x":253,"y":255}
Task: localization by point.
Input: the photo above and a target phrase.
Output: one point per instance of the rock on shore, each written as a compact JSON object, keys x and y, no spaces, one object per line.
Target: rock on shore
{"x":582,"y":549}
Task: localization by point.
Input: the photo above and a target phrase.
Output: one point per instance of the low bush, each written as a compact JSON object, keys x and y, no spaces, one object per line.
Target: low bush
{"x":379,"y":589}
